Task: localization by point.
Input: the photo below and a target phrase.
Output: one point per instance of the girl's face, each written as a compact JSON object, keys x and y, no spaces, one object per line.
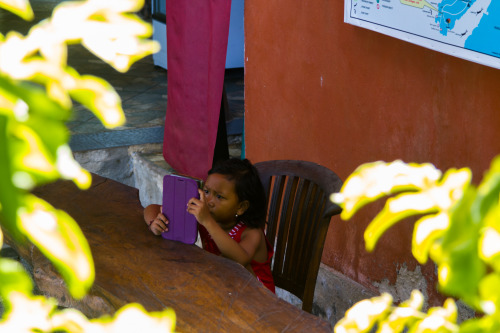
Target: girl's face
{"x":222,"y":200}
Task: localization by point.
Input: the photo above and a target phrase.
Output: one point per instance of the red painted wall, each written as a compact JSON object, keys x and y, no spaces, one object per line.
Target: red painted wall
{"x":321,"y":90}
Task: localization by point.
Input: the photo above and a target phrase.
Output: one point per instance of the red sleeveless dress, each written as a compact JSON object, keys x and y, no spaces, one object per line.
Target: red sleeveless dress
{"x":261,"y":269}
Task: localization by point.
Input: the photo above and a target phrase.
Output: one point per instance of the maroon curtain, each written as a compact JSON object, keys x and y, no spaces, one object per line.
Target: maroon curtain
{"x":197,"y":34}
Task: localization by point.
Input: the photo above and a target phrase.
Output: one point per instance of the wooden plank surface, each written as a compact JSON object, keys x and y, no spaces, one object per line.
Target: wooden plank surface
{"x":207,"y":292}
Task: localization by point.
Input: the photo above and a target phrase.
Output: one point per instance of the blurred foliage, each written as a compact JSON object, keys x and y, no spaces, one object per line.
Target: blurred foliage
{"x":37,"y":90}
{"x":458,"y":228}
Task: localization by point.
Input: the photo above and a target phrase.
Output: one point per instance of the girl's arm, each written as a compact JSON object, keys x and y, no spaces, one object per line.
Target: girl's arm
{"x":156,"y":221}
{"x":242,"y":252}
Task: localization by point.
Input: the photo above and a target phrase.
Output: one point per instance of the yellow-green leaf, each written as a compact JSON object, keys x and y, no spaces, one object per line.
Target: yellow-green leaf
{"x":69,"y":168}
{"x":459,"y":266}
{"x":426,"y":232}
{"x":489,"y":242}
{"x":404,"y":315}
{"x":28,"y":313}
{"x":431,"y":198}
{"x":489,"y":291}
{"x":13,"y":277}
{"x":488,"y":191}
{"x":99,"y":97}
{"x":441,"y":320}
{"x":9,"y":195}
{"x":486,"y":324}
{"x":130,"y":318}
{"x":59,"y":238}
{"x":32,"y":159}
{"x":372,"y":181}
{"x":21,"y":8}
{"x":363,"y":315}
{"x":395,"y":210}
{"x":134,"y":318}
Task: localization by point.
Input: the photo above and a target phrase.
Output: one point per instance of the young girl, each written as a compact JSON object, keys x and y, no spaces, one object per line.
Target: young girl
{"x":231,"y":215}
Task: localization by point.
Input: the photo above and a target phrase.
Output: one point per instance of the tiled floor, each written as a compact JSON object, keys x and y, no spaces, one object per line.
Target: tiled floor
{"x":143,"y":90}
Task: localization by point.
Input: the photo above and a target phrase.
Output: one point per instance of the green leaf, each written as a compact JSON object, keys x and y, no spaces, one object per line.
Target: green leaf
{"x":13,"y":277}
{"x":438,"y":319}
{"x":99,"y":97}
{"x":488,"y":192}
{"x":111,"y":33}
{"x":460,"y":271}
{"x":428,"y":230}
{"x":36,"y":100}
{"x":60,"y":239}
{"x":21,"y":8}
{"x":134,"y":318}
{"x":38,"y":136}
{"x":486,"y":324}
{"x":120,"y":49}
{"x":489,"y":292}
{"x":28,"y":313}
{"x":431,"y":198}
{"x":34,"y":118}
{"x":459,"y":267}
{"x":9,"y":195}
{"x":489,"y":242}
{"x":372,"y":181}
{"x":31,"y":159}
{"x":395,"y":210}
{"x":365,"y":314}
{"x":404,"y":315}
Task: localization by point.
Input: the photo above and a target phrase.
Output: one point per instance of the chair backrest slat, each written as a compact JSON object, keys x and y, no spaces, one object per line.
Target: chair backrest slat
{"x":305,"y":216}
{"x":275,"y":194}
{"x":295,"y":229}
{"x":284,"y":227}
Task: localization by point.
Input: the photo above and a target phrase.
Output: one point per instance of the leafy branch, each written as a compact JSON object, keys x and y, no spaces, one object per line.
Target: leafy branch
{"x":37,"y":90}
{"x":458,"y":228}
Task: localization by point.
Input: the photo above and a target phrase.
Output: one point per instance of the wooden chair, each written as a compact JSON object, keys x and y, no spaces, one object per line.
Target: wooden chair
{"x":299,"y":213}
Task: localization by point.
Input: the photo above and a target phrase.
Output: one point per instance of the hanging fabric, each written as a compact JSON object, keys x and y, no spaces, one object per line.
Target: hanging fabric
{"x":197,"y":36}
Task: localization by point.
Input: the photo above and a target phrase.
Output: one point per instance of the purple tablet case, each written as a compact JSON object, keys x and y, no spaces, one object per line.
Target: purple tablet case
{"x":177,"y":190}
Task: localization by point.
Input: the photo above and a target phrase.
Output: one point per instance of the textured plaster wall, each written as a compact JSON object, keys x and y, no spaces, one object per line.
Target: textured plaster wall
{"x":321,"y":90}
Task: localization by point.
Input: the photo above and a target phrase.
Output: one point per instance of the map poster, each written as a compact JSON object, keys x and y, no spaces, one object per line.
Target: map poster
{"x":469,"y":29}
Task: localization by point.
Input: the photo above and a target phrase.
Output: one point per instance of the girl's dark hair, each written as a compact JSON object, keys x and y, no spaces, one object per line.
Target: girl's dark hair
{"x":248,"y":187}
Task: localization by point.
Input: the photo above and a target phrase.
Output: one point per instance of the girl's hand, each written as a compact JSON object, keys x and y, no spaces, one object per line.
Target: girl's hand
{"x":159,"y":224}
{"x":199,"y":208}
